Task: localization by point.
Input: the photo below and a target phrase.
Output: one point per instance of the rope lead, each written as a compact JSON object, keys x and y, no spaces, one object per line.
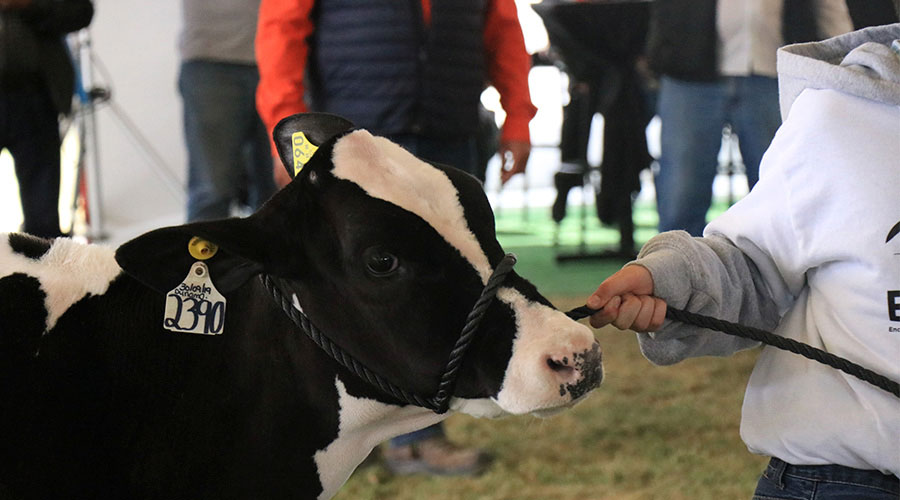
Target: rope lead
{"x":771,"y":339}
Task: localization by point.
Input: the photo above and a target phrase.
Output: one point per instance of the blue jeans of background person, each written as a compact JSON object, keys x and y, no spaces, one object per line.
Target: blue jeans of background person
{"x":824,"y":482}
{"x":457,"y":152}
{"x":229,"y":156}
{"x":692,"y":116}
{"x":29,"y":129}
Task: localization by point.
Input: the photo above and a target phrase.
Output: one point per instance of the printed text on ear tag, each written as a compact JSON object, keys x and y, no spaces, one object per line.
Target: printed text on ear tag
{"x":195,"y":306}
{"x":302,"y":150}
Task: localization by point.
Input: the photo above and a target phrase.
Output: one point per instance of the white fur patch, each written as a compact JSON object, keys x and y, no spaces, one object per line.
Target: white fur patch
{"x":481,"y":408}
{"x":364,"y":423}
{"x":67,"y":272}
{"x":388,"y":172}
{"x":528,"y":386}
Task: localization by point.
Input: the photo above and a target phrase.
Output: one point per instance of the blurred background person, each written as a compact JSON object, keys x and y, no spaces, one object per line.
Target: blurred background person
{"x":229,"y":158}
{"x":413,"y":72}
{"x":37,"y":80}
{"x":716,"y":62}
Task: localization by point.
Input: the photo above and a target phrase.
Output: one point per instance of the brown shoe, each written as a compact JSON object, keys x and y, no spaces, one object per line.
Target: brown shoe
{"x":436,"y":456}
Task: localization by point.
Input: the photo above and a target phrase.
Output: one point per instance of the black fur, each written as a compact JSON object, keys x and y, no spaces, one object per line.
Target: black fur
{"x":29,"y":246}
{"x":22,"y":305}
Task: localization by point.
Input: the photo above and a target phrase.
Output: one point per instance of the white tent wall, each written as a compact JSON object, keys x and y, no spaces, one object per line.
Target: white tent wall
{"x":141,"y":152}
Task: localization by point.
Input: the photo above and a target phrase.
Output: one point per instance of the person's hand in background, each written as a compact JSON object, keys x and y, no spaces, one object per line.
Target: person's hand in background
{"x":513,"y":158}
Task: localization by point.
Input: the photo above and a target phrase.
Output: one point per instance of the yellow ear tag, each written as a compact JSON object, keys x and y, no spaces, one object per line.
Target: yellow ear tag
{"x":201,"y":249}
{"x":302,"y":150}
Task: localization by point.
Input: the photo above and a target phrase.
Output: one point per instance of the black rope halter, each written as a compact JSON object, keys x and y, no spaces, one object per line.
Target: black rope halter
{"x":440,"y":401}
{"x":771,"y":339}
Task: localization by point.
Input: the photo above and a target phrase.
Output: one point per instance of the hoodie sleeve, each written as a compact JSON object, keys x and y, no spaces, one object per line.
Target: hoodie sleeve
{"x":708,"y":276}
{"x":749,"y":268}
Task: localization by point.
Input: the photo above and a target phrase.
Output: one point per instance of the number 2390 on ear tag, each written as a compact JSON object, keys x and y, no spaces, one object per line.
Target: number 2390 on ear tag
{"x":195,"y":306}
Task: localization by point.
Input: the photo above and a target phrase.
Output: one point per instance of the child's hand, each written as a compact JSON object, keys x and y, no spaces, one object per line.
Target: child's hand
{"x":626,"y":301}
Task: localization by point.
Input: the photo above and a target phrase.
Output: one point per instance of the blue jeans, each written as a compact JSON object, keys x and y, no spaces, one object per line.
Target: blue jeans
{"x":29,"y":128}
{"x":462,"y":154}
{"x":692,"y":116}
{"x":824,"y":482}
{"x":229,"y":157}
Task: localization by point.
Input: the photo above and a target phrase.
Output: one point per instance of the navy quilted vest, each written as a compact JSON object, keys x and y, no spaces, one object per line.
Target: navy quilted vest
{"x":376,"y":63}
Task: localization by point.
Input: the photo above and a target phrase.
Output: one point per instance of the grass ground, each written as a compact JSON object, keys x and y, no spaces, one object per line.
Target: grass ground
{"x":666,"y":433}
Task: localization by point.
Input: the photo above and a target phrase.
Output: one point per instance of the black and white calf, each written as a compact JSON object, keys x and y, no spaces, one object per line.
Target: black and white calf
{"x":384,"y":253}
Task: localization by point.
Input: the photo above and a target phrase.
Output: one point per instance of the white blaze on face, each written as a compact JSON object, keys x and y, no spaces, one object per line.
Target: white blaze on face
{"x":364,"y":423}
{"x":528,"y":384}
{"x":388,"y":172}
{"x":67,"y":272}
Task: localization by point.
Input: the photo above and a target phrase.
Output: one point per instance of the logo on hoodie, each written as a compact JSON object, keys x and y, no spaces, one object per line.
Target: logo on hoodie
{"x":893,"y":296}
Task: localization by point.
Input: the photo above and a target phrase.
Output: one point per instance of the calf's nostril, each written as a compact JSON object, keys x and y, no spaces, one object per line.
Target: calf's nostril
{"x":561,"y":367}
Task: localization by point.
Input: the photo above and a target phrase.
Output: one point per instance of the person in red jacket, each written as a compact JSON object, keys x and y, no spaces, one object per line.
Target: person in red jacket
{"x":412,"y":71}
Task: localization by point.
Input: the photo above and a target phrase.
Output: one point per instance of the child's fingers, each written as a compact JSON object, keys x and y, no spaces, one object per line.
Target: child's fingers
{"x":630,"y":279}
{"x":606,"y":315}
{"x":643,"y":313}
{"x":628,"y":311}
{"x":651,"y":315}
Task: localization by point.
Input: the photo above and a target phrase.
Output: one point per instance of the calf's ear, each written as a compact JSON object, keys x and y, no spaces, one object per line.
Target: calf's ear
{"x":161,"y":258}
{"x":297,"y":137}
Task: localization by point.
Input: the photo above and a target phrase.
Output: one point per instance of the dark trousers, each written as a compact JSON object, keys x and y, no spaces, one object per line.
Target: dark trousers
{"x":782,"y":480}
{"x":29,"y":129}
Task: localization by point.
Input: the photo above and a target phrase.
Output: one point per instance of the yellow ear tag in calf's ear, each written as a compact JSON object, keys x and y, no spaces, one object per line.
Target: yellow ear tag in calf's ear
{"x":201,"y":249}
{"x":195,"y":306}
{"x":302,"y":150}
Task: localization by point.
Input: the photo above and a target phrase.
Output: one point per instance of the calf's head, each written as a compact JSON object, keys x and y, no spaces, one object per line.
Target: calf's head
{"x":387,"y":254}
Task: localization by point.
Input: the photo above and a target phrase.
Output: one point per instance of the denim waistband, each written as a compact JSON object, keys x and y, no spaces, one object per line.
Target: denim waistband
{"x":778,"y":468}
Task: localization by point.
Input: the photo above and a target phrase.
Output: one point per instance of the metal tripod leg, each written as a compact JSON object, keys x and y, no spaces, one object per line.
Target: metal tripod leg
{"x":87,"y":125}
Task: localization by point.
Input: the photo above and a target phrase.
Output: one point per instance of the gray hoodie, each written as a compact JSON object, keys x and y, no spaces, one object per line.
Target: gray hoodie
{"x":865,"y":63}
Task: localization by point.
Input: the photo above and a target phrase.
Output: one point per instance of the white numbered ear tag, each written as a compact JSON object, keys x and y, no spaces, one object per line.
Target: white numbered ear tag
{"x":195,"y":306}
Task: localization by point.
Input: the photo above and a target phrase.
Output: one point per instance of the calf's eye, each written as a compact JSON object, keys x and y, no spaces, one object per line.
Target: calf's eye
{"x":380,"y":263}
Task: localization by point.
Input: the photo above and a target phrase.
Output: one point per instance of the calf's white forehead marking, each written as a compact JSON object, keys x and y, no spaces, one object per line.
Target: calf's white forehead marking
{"x":364,"y":423}
{"x":67,"y":272}
{"x":388,"y":172}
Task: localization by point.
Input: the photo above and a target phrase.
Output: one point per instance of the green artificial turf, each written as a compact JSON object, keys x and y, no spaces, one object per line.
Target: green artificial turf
{"x":538,"y":242}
